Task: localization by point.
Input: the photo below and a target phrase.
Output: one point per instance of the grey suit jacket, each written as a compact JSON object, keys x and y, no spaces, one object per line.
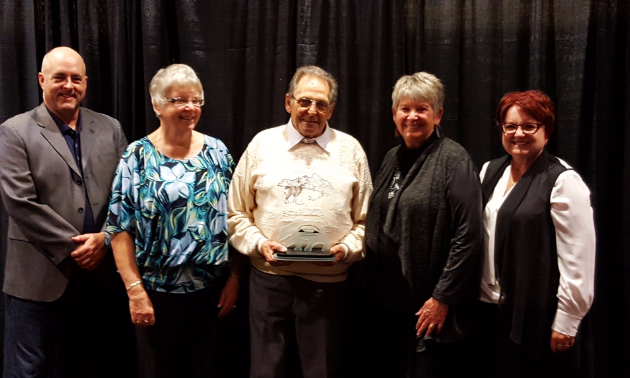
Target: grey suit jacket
{"x":43,"y":193}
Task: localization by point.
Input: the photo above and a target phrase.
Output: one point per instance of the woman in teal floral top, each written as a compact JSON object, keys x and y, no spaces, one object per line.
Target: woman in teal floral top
{"x":167,"y":226}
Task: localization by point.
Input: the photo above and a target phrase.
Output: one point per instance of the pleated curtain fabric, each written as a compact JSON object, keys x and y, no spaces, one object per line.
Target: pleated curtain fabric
{"x":245,"y":52}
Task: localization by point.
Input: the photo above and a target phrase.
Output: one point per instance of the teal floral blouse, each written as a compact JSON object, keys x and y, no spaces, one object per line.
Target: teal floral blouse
{"x":176,"y":210}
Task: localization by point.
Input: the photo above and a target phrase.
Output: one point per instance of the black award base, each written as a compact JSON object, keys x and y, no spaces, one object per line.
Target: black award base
{"x":317,"y":254}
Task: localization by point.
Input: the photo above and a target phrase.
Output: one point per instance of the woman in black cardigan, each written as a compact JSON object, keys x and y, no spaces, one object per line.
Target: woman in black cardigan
{"x":423,"y":236}
{"x":538,"y":266}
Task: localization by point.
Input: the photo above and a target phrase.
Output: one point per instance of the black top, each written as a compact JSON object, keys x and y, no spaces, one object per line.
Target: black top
{"x":406,"y":157}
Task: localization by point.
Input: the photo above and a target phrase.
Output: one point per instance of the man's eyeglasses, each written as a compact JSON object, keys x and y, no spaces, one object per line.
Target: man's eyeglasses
{"x":321,"y":106}
{"x":179,"y":101}
{"x":528,"y":128}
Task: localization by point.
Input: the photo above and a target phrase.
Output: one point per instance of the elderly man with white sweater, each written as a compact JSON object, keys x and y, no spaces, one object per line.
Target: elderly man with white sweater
{"x":301,"y":171}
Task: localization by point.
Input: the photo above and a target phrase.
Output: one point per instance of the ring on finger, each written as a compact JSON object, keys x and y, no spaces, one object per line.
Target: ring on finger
{"x":145,"y":321}
{"x":431,"y":325}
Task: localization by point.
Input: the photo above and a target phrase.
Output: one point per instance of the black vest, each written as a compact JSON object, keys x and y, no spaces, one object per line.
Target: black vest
{"x":526,"y":259}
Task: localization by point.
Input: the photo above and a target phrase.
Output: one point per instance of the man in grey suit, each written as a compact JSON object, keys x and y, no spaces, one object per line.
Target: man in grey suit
{"x":58,"y":163}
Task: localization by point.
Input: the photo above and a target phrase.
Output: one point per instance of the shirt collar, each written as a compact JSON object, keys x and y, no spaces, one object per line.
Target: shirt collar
{"x":295,"y":137}
{"x":65,"y":129}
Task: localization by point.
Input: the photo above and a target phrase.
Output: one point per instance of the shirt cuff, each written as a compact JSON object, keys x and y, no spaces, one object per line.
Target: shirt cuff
{"x":259,"y":243}
{"x":354,"y":248}
{"x":566,"y":323}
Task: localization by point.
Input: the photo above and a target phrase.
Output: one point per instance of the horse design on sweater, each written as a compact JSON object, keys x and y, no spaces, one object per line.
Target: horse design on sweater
{"x":295,"y":187}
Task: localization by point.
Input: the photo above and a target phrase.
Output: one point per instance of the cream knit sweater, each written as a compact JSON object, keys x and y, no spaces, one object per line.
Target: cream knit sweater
{"x":274,"y":185}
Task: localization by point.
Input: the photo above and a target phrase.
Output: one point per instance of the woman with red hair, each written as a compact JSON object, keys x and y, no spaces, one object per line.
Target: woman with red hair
{"x":538,"y":268}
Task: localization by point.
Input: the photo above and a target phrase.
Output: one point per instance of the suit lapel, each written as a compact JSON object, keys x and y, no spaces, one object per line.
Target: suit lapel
{"x":53,"y":135}
{"x":89,"y":139}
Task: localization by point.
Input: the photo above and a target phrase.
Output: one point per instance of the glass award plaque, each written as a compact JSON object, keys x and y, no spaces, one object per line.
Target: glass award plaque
{"x":304,"y":241}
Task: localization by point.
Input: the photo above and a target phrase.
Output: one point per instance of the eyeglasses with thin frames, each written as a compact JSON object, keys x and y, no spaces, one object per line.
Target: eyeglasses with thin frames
{"x":528,"y":128}
{"x":305,"y":102}
{"x":181,"y":102}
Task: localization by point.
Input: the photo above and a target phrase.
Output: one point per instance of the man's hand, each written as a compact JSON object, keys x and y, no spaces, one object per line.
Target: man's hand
{"x":91,"y":251}
{"x":340,"y":253}
{"x":268,"y":248}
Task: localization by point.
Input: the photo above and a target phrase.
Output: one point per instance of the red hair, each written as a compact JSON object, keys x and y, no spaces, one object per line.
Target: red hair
{"x":535,"y":103}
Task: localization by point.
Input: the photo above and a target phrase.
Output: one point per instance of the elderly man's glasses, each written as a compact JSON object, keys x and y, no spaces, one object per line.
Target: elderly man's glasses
{"x":180,"y":102}
{"x":321,"y":106}
{"x":528,"y":128}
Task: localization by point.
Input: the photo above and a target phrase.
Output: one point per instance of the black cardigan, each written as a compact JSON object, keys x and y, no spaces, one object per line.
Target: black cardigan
{"x":433,"y":227}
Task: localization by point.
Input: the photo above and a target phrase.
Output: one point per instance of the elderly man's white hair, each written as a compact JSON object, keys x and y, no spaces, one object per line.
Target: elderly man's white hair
{"x":173,"y":75}
{"x":421,"y":86}
{"x":314,"y":71}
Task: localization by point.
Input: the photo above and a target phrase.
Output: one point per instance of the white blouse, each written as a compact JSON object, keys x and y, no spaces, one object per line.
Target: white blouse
{"x":572,"y":217}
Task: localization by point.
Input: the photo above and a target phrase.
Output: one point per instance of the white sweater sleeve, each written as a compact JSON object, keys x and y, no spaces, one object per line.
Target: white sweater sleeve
{"x":242,"y":231}
{"x":572,"y":216}
{"x":354,"y":239}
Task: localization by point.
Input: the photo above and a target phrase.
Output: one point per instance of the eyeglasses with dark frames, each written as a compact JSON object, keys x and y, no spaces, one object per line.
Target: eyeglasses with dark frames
{"x":180,"y":101}
{"x":305,"y":102}
{"x":528,"y":128}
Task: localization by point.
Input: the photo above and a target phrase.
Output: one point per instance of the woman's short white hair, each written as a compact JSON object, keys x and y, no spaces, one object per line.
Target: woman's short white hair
{"x":421,"y":86}
{"x":173,"y":75}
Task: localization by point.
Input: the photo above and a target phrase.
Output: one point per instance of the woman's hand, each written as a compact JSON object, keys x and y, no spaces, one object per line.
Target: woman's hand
{"x":229,"y":295}
{"x":431,"y":317}
{"x":561,"y":342}
{"x":140,"y":307}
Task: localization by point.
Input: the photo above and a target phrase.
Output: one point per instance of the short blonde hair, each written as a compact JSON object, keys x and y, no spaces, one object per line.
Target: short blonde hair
{"x":165,"y":78}
{"x":421,"y":86}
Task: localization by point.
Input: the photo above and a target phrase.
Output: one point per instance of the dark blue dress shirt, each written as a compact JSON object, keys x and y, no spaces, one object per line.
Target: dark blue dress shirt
{"x":73,"y":139}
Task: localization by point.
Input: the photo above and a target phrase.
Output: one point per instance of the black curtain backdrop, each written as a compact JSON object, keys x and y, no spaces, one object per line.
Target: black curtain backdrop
{"x":245,"y":52}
